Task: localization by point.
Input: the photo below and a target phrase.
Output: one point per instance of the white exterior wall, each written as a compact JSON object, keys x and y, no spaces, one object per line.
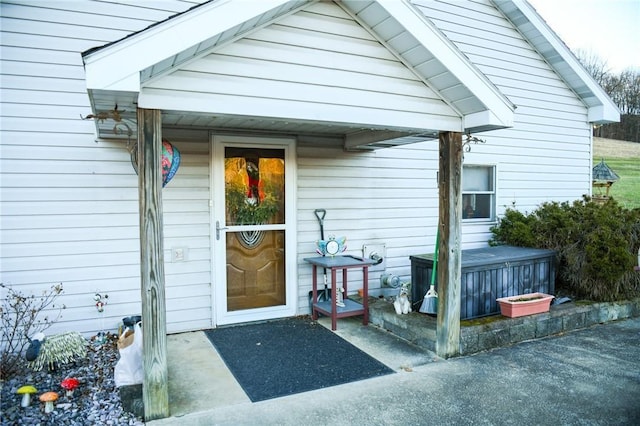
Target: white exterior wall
{"x":69,"y":205}
{"x":389,"y":196}
{"x":186,"y":220}
{"x":69,"y":209}
{"x":317,"y":64}
{"x":547,"y":154}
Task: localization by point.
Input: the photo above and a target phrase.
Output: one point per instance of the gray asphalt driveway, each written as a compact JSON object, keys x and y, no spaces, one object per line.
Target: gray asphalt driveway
{"x":587,"y":377}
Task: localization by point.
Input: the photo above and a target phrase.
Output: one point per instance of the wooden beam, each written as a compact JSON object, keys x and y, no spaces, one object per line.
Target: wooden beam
{"x":155,"y":394}
{"x":449,"y":257}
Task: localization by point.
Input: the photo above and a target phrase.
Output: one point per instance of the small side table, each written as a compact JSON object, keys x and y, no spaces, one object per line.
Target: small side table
{"x":351,"y":307}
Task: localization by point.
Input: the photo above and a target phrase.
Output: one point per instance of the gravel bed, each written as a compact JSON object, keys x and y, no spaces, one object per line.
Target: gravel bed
{"x":95,"y":402}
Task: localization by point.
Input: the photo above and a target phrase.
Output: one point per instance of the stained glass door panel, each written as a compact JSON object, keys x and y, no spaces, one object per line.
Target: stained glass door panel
{"x":255,"y":251}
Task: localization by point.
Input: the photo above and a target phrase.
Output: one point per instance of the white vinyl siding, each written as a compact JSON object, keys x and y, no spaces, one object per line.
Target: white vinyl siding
{"x":546,"y":155}
{"x":186,"y":221}
{"x":388,"y":196}
{"x":317,"y":64}
{"x":69,"y":204}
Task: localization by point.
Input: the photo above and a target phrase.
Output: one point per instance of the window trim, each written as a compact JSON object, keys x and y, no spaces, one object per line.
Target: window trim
{"x":493,"y":194}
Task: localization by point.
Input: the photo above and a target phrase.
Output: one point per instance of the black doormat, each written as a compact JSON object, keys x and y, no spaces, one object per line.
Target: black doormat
{"x":294,"y":355}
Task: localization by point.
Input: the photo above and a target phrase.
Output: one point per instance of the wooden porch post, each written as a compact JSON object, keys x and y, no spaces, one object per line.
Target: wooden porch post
{"x":449,"y":258}
{"x":155,"y":394}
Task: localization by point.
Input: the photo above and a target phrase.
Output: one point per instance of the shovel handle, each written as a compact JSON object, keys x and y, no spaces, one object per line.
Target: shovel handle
{"x":320,"y":214}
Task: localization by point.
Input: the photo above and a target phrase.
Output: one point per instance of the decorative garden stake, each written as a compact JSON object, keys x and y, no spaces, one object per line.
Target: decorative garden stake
{"x":101,"y":302}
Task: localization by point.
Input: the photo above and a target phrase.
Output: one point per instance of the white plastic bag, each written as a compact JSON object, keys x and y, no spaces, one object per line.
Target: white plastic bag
{"x":128,"y":369}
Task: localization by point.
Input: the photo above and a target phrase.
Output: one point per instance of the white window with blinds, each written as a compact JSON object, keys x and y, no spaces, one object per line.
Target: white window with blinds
{"x":478,"y":193}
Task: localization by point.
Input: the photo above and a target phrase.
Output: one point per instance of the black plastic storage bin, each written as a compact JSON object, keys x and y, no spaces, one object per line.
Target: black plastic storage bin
{"x":489,"y":273}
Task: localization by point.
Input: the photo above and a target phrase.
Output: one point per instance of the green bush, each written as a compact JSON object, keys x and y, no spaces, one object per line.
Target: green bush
{"x":596,"y":245}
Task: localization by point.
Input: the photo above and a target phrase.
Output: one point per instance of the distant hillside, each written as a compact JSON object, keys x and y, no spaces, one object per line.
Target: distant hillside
{"x":612,"y":148}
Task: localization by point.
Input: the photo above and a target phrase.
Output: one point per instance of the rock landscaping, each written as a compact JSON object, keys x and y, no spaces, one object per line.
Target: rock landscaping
{"x":95,"y":400}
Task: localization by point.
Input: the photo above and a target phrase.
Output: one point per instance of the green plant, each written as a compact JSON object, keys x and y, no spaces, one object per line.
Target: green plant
{"x":596,"y":244}
{"x":514,"y":228}
{"x":249,"y":211}
{"x":23,"y":316}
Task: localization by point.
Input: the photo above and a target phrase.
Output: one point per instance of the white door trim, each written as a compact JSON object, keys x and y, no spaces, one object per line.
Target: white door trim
{"x":220,"y":315}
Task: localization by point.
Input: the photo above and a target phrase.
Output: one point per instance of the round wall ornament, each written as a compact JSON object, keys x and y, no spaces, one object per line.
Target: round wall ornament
{"x":170,"y":160}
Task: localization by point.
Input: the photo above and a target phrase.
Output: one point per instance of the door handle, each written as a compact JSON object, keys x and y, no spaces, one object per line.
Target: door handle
{"x":218,"y":229}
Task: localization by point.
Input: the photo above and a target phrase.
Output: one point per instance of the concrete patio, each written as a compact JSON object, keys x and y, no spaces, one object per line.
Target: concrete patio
{"x":590,"y":376}
{"x":200,"y":382}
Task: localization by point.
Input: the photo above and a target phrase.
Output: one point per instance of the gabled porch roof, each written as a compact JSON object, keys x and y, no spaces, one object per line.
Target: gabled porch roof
{"x":118,"y":73}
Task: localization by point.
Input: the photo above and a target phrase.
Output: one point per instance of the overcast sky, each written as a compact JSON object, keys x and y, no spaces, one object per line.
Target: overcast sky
{"x":608,"y":28}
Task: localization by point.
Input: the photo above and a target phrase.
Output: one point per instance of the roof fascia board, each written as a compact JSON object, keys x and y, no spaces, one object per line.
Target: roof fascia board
{"x":607,"y":111}
{"x":118,"y":66}
{"x":485,"y":120}
{"x":601,"y":114}
{"x":451,"y":57}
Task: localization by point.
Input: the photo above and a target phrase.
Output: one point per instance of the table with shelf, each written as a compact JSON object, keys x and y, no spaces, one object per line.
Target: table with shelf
{"x":351,"y":308}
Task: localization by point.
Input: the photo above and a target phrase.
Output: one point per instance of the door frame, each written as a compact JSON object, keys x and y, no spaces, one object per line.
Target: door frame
{"x":220,"y":315}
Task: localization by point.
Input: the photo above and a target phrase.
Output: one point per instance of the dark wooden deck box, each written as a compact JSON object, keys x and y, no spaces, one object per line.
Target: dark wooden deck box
{"x":489,"y":273}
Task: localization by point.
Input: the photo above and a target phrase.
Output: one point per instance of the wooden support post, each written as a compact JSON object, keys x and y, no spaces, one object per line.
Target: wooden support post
{"x":155,"y":394}
{"x":449,"y":258}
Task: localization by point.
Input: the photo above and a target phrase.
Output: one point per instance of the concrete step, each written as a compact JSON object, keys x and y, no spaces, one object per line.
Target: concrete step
{"x":481,"y":334}
{"x":415,"y":327}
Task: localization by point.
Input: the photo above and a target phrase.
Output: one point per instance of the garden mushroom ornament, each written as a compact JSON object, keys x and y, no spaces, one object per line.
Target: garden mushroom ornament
{"x":26,"y":392}
{"x":48,"y":398}
{"x":70,"y":384}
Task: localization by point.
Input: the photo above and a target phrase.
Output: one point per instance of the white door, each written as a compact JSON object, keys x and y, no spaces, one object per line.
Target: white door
{"x":253,"y":228}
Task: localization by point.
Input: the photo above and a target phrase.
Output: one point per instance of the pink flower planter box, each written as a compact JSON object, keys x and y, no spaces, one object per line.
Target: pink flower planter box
{"x":515,"y":306}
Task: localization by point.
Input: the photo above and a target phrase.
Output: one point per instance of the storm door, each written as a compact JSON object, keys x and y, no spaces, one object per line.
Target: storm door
{"x":252,"y":198}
